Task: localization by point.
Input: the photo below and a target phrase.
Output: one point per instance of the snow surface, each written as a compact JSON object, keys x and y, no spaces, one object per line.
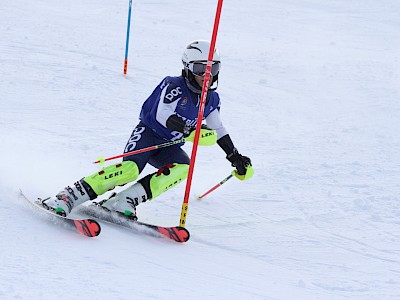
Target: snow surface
{"x":310,"y":92}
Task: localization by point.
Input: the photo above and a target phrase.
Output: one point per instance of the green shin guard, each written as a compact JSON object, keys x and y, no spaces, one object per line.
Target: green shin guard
{"x":111,"y":176}
{"x":164,"y":179}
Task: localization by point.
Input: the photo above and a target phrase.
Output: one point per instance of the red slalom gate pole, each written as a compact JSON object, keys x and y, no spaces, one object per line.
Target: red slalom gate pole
{"x":202,"y":104}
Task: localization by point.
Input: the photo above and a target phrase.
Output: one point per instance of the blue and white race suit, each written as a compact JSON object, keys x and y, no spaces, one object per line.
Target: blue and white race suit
{"x":171,"y":96}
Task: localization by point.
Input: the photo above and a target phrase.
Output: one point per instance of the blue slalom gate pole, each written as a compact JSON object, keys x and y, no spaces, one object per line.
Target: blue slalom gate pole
{"x":127,"y":38}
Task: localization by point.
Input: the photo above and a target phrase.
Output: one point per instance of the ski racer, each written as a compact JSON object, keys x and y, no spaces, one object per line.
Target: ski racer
{"x":169,"y":114}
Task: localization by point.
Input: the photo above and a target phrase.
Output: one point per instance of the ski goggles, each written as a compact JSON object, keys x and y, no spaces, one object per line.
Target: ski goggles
{"x":199,"y":68}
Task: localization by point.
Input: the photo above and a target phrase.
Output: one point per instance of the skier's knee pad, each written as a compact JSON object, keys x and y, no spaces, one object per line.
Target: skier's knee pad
{"x":164,"y":179}
{"x":111,"y":176}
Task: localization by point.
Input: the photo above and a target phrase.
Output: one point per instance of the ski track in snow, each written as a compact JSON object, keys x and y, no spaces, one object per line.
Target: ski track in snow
{"x":309,"y":91}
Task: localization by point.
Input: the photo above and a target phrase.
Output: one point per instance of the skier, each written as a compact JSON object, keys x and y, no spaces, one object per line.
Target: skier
{"x":169,"y":114}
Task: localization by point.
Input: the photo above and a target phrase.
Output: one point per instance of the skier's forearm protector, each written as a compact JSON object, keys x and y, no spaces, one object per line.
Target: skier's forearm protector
{"x":226,"y":144}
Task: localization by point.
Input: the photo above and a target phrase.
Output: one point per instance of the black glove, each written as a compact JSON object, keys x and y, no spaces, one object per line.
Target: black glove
{"x":178,"y":124}
{"x":187,"y":130}
{"x":239,"y":161}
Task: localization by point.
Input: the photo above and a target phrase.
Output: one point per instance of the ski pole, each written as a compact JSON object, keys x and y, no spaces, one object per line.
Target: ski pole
{"x":127,"y":38}
{"x":101,"y":159}
{"x":189,"y":138}
{"x":217,"y":185}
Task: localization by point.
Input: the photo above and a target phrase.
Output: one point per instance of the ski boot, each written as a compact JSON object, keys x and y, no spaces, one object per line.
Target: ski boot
{"x":147,"y":188}
{"x":65,"y":200}
{"x":125,"y":202}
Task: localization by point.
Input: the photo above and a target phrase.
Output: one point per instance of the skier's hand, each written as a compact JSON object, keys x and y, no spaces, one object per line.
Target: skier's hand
{"x":244,"y":169}
{"x":208,"y":137}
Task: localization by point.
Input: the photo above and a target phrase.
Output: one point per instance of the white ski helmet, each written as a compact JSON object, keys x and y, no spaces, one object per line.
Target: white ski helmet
{"x":194,"y":60}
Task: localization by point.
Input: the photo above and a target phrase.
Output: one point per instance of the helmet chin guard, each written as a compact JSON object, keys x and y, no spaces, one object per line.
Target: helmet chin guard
{"x":194,"y":86}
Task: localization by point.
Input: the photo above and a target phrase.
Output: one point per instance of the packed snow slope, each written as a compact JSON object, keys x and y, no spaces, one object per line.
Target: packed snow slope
{"x":310,"y":92}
